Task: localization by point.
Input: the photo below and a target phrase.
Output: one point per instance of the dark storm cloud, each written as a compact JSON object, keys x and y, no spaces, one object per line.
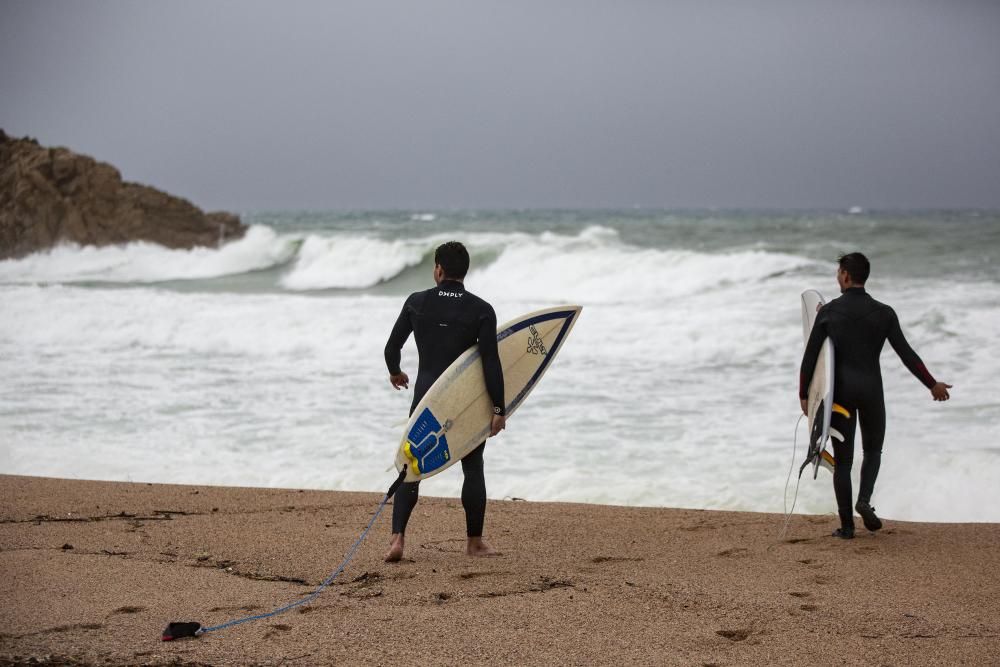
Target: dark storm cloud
{"x":249,"y":105}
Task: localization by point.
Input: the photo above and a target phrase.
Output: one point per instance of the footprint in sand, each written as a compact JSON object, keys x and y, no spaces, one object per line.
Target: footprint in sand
{"x":276,"y":629}
{"x":476,"y":575}
{"x":128,"y":610}
{"x":444,"y":545}
{"x":800,"y":594}
{"x":735,"y":552}
{"x":614,"y":559}
{"x":733,"y":635}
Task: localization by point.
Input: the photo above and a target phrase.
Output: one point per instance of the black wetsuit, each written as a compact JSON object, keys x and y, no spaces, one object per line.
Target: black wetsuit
{"x":858,"y":326}
{"x":446,"y":321}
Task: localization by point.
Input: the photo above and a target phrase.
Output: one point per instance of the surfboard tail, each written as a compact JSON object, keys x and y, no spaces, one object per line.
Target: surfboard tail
{"x":821,"y":459}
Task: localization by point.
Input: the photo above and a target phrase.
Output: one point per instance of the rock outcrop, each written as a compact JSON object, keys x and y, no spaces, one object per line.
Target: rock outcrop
{"x":53,"y":195}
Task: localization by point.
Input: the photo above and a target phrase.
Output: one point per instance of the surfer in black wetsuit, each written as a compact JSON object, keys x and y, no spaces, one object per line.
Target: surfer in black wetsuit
{"x":445,"y":321}
{"x":858,"y":326}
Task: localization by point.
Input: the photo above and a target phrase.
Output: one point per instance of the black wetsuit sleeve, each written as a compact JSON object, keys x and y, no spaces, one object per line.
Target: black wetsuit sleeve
{"x":811,"y":354}
{"x":401,"y":330}
{"x":492,"y":371}
{"x":906,"y":353}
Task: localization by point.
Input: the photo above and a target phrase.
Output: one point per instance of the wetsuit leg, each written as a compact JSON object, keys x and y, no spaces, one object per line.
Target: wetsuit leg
{"x":474,"y":491}
{"x":872,"y":420}
{"x":403,"y":503}
{"x":843,"y":452}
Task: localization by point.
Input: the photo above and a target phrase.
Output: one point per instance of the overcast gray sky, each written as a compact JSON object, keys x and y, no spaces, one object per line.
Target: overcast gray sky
{"x":249,"y":105}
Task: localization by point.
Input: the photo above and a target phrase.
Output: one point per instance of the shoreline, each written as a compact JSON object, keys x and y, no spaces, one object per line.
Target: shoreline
{"x":95,"y":571}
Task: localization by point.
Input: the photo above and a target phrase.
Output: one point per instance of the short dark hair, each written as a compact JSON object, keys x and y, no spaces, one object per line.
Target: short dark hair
{"x":453,"y":258}
{"x":857,"y":267}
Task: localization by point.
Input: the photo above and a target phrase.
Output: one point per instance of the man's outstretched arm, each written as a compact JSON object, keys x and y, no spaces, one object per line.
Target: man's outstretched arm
{"x":912,"y":361}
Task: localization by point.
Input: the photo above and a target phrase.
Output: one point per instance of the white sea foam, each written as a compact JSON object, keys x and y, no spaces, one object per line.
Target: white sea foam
{"x":141,"y":262}
{"x":351,"y":262}
{"x":676,"y":388}
{"x":597,"y":267}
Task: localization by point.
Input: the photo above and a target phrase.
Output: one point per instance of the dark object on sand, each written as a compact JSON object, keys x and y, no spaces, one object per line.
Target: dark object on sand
{"x":180,"y":630}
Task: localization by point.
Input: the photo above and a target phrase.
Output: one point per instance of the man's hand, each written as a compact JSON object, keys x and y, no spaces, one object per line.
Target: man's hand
{"x":804,"y":402}
{"x":498,"y":424}
{"x":940,"y":391}
{"x":400,"y":381}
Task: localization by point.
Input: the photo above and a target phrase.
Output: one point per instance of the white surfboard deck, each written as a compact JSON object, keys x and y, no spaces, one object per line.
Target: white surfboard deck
{"x":454,"y":416}
{"x":820,"y":394}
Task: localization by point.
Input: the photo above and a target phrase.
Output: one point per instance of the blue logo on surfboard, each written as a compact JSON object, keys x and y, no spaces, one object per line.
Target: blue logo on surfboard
{"x":426,"y":446}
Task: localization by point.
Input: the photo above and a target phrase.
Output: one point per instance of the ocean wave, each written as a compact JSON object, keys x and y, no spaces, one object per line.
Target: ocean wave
{"x":593,"y":265}
{"x":596,"y":266}
{"x":264,"y":389}
{"x":142,"y":262}
{"x":352,"y":262}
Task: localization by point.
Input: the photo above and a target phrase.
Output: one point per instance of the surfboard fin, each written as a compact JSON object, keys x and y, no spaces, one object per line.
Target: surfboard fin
{"x":826,"y":460}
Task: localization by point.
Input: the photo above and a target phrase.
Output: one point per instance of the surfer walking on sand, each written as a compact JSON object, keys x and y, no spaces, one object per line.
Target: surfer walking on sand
{"x":858,"y":327}
{"x":445,"y":321}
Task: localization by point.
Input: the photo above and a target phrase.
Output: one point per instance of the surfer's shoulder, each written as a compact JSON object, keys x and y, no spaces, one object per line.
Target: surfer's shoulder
{"x":879,"y":304}
{"x":874,"y":306}
{"x":886,"y":311}
{"x":827,"y":308}
{"x":416,"y":299}
{"x":480,"y":305}
{"x":859,"y":305}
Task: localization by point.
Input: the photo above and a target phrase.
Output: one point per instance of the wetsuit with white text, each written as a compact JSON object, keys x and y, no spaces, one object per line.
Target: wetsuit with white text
{"x":445,"y":321}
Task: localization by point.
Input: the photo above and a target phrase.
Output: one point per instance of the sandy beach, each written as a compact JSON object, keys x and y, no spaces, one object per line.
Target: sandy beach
{"x":94,"y":571}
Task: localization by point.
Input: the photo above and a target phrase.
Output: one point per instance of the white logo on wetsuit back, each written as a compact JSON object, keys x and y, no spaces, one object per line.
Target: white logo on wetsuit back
{"x":456,"y":295}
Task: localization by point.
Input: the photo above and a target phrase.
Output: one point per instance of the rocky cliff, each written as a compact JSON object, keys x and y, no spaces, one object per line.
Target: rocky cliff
{"x":53,"y":195}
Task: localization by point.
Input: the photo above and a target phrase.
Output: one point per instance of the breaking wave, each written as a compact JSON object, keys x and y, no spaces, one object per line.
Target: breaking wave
{"x":594,"y":264}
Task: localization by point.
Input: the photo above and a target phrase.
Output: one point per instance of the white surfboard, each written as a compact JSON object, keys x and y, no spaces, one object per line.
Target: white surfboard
{"x":454,"y":416}
{"x":820,"y":394}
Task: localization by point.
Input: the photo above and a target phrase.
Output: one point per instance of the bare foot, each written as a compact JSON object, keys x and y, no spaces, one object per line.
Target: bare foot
{"x":395,"y":552}
{"x":479,"y":548}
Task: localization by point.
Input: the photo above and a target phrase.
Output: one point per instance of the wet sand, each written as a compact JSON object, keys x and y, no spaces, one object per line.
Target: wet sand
{"x":93,"y":572}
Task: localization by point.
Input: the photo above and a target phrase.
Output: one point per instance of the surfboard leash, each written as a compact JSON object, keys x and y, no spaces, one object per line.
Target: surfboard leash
{"x":181,"y":629}
{"x":784,"y":498}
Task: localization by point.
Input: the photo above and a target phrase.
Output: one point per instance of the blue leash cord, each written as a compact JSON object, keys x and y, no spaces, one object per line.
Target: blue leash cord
{"x":329,"y":580}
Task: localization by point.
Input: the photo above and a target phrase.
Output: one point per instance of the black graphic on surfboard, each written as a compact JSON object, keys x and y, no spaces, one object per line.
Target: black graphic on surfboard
{"x":535,"y":344}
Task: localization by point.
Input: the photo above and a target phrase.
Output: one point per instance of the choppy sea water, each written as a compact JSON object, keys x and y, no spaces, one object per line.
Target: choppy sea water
{"x":260,"y":363}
